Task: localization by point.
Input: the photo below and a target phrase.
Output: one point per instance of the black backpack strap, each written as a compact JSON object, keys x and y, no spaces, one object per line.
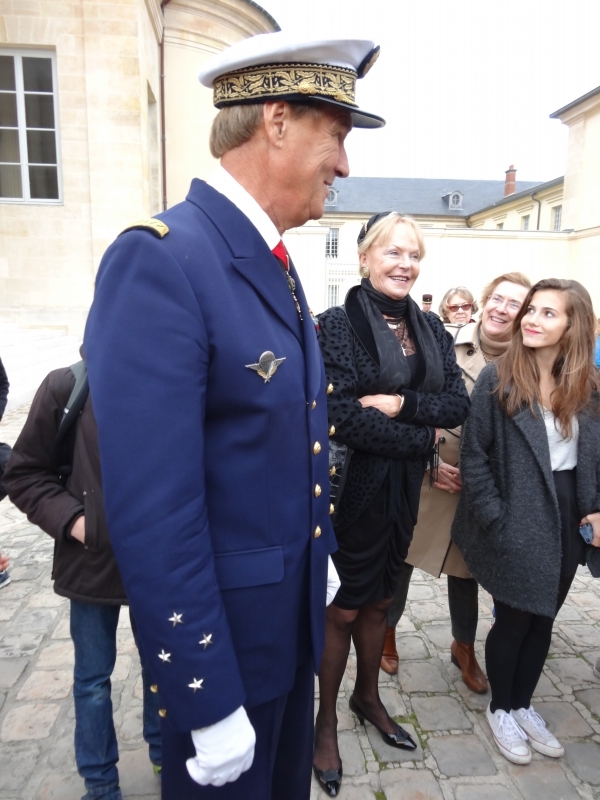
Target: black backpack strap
{"x":63,"y":443}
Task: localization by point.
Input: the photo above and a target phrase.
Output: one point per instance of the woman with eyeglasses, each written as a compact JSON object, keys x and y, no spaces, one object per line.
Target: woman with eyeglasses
{"x":457,"y":308}
{"x":530,"y":465}
{"x":432,"y":549}
{"x":394,"y":383}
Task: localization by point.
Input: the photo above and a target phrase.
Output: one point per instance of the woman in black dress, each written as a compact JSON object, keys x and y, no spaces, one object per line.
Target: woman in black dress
{"x":394,"y":383}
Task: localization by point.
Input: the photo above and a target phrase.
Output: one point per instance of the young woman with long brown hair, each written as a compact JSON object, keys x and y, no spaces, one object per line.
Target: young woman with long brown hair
{"x":530,"y":461}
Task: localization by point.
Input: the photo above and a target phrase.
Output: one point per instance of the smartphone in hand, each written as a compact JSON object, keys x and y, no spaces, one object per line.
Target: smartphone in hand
{"x":587,"y":532}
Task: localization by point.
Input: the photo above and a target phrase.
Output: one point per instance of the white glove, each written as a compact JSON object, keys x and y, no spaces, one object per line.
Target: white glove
{"x":333,"y":581}
{"x":223,"y":750}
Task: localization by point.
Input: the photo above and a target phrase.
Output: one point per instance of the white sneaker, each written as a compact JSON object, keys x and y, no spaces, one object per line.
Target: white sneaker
{"x":540,"y":737}
{"x":509,"y":736}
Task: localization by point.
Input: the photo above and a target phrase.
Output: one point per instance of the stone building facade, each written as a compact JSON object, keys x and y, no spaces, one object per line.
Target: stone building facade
{"x":82,"y":113}
{"x":102,"y":122}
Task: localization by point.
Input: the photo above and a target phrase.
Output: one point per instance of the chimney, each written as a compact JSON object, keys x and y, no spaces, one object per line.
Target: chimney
{"x":510,"y":182}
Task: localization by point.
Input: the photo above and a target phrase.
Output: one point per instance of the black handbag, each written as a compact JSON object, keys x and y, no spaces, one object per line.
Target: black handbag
{"x":339,"y":462}
{"x":5,"y":451}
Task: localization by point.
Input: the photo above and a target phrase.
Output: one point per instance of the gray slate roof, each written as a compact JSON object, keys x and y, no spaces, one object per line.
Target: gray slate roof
{"x":417,"y":195}
{"x":522,"y":194}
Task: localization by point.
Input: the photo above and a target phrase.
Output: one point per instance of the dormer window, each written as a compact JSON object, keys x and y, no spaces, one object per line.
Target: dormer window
{"x":454,"y":200}
{"x":331,"y":197}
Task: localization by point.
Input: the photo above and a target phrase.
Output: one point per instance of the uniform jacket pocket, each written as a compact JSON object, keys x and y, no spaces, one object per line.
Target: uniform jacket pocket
{"x":245,"y":568}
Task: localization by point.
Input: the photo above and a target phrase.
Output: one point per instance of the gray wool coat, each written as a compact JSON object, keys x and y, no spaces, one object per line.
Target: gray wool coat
{"x":507,"y":523}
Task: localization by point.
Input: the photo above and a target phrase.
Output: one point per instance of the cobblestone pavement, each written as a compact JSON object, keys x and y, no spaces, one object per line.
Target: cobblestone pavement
{"x":456,"y":760}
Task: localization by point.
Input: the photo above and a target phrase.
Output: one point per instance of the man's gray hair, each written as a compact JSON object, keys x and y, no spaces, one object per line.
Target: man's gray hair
{"x":235,"y":125}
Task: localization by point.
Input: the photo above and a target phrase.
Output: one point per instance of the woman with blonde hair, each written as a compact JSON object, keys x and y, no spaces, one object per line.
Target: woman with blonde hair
{"x":393,"y":383}
{"x":530,"y":461}
{"x":457,"y":307}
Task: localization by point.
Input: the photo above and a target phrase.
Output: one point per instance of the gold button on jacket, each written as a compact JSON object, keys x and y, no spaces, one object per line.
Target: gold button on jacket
{"x":318,"y":490}
{"x":330,"y":388}
{"x":316,"y":448}
{"x":317,"y":532}
{"x":332,"y":430}
{"x":162,"y":712}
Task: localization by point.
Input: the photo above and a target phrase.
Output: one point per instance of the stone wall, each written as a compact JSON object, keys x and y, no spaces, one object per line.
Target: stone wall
{"x":194,"y":30}
{"x":107,"y":59}
{"x":109,"y":108}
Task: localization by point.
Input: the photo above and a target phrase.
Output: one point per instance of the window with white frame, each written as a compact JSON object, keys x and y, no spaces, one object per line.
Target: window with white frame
{"x":29,"y":151}
{"x":331,"y":198}
{"x":556,"y":218}
{"x":525,"y":223}
{"x":333,"y":293}
{"x":331,"y":243}
{"x":456,"y":200}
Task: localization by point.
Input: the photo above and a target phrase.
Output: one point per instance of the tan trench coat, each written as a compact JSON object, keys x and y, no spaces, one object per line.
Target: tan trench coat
{"x":432,"y":549}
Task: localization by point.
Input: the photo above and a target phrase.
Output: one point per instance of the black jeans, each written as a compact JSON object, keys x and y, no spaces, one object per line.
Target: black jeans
{"x":462,"y":601}
{"x":515,"y":652}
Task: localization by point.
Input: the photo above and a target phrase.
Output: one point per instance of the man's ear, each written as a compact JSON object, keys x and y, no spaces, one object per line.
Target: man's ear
{"x":276,"y":118}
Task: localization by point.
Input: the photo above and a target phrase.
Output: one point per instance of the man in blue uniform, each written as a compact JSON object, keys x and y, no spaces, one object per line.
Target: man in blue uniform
{"x":210,"y":398}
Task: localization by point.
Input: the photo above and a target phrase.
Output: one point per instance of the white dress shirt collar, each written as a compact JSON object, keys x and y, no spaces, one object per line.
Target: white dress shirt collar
{"x":224,"y":183}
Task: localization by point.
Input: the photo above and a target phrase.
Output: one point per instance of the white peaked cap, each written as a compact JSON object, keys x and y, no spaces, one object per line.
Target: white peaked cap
{"x":282,"y":66}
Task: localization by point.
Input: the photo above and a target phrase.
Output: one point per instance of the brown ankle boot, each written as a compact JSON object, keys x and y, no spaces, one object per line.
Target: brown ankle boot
{"x":463,"y":655}
{"x":389,"y":659}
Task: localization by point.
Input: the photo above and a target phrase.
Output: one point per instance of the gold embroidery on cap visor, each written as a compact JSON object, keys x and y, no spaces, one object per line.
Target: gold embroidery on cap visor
{"x":278,"y":80}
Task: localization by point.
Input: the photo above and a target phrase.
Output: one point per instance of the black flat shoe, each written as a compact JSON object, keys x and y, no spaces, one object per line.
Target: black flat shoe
{"x":329,"y":780}
{"x":400,"y":738}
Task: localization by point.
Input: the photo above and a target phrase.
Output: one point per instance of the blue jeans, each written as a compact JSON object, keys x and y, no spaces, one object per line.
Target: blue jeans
{"x":94,"y":634}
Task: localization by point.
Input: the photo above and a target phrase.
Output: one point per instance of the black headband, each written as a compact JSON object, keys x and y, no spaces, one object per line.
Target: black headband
{"x":369,"y":224}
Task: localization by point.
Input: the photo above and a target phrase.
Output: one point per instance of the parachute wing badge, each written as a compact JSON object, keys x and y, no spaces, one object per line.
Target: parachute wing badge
{"x":267,"y":365}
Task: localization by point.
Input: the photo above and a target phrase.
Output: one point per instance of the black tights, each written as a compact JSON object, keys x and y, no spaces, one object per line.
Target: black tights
{"x":515,"y":652}
{"x":366,"y":627}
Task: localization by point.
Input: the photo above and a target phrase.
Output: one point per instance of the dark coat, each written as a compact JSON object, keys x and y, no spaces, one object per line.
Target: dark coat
{"x":4,"y":384}
{"x":215,"y":489}
{"x":81,"y":572}
{"x":507,"y":523}
{"x":352,"y":367}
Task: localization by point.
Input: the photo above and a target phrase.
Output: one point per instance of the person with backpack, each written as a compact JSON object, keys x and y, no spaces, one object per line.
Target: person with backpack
{"x":53,"y":476}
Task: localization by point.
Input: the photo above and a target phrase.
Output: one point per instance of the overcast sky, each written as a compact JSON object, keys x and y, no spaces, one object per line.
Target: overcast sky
{"x":466,"y":86}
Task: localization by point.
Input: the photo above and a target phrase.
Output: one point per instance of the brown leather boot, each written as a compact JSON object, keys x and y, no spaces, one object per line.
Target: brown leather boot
{"x":389,"y":659}
{"x":463,"y":655}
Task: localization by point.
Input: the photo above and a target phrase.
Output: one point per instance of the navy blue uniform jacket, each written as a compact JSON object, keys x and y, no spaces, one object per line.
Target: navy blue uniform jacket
{"x":215,"y":481}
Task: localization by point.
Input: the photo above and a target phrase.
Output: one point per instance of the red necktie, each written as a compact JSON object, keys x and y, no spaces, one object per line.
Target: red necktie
{"x":281,"y":254}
